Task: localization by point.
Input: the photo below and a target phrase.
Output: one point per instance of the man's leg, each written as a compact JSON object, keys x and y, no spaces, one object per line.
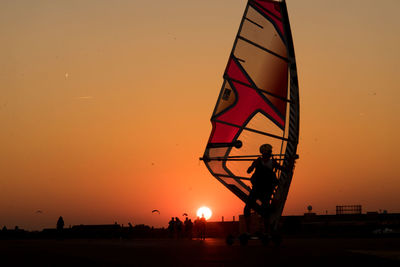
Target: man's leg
{"x":251,"y":201}
{"x":266,"y":208}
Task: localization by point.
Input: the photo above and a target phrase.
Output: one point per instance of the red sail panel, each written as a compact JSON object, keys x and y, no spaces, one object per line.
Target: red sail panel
{"x":233,"y":72}
{"x":222,"y":133}
{"x":249,"y":103}
{"x":271,"y":6}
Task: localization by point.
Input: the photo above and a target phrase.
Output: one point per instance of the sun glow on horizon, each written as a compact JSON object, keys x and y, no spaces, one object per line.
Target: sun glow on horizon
{"x":204,"y":211}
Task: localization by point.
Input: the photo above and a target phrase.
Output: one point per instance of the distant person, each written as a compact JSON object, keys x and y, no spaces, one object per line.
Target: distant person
{"x":60,"y":224}
{"x":171,"y":227}
{"x":185,"y":226}
{"x":202,"y":226}
{"x":188,"y":228}
{"x":263,"y":182}
{"x":196,"y":227}
{"x":179,"y":227}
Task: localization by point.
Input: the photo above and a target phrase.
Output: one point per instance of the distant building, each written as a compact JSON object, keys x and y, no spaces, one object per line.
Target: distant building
{"x":348,"y":209}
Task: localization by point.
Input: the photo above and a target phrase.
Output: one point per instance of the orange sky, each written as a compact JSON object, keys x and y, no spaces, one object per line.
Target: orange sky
{"x":105,"y":108}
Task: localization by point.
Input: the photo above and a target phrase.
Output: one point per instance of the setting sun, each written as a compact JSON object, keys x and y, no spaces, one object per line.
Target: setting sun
{"x":204,"y":211}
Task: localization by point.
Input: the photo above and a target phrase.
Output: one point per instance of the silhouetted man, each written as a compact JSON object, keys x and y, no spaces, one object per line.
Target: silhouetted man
{"x":171,"y":227}
{"x":185,"y":228}
{"x":188,"y":228}
{"x":179,"y":226}
{"x":196,"y":227}
{"x":60,"y":224}
{"x":263,"y":182}
{"x":202,"y":227}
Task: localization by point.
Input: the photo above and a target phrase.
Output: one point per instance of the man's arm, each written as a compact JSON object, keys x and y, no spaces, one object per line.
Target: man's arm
{"x":253,"y":165}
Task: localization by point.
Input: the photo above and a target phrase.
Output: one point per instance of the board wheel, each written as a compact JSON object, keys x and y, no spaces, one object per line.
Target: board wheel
{"x":244,"y":239}
{"x":265,"y":239}
{"x":277,"y":239}
{"x":230,"y":239}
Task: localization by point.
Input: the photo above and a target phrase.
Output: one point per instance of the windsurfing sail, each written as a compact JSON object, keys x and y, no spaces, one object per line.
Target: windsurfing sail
{"x":258,"y":102}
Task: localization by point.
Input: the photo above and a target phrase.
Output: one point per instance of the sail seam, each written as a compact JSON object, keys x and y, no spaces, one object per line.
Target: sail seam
{"x":251,"y":130}
{"x":258,"y":89}
{"x":255,"y":23}
{"x":262,"y":48}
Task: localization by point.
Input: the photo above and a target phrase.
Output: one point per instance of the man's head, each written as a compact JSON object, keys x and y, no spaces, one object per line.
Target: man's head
{"x":266,"y":149}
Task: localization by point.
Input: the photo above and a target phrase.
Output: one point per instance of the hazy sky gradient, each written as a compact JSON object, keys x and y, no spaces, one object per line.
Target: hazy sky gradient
{"x":105,"y":108}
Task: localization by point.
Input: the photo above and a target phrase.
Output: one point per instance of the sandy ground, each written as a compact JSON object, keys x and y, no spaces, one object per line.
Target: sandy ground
{"x":210,"y":252}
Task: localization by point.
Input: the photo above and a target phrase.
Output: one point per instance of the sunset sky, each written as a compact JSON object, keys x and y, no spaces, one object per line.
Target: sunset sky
{"x":105,"y":108}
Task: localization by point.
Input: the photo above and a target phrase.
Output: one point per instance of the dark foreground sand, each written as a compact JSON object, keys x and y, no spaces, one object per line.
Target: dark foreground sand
{"x":211,"y":252}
